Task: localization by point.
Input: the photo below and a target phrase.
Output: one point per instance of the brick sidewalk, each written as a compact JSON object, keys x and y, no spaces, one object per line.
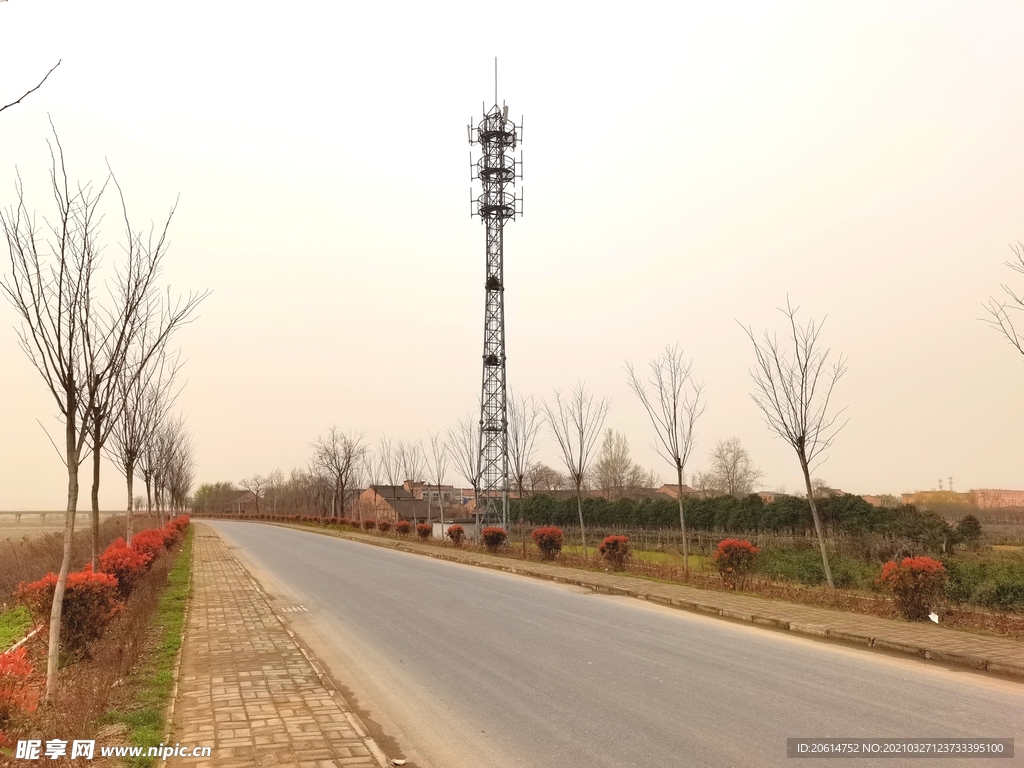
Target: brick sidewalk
{"x":999,"y":655}
{"x":246,"y":688}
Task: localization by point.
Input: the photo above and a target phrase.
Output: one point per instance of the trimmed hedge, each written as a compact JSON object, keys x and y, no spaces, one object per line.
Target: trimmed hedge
{"x":456,"y":533}
{"x":494,"y":537}
{"x":549,"y":541}
{"x":727,"y":514}
{"x":91,"y":601}
{"x":734,"y":559}
{"x":916,"y":584}
{"x":616,"y":550}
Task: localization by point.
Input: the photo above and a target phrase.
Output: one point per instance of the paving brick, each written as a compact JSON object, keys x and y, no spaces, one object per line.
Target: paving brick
{"x":244,"y":686}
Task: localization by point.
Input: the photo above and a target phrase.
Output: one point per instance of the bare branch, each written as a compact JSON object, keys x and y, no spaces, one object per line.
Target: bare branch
{"x":999,"y":311}
{"x":32,"y":90}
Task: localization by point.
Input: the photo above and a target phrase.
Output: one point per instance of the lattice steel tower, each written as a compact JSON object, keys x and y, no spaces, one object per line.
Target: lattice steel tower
{"x":496,"y":204}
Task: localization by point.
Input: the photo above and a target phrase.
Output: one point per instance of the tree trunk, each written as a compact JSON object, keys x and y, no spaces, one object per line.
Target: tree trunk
{"x":95,"y":526}
{"x":583,"y":531}
{"x":682,"y":522}
{"x":817,"y":523}
{"x":441,"y":510}
{"x":53,"y":651}
{"x":130,"y":474}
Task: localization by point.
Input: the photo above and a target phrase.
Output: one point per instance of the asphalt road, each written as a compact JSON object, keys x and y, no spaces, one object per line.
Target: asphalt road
{"x":467,"y":666}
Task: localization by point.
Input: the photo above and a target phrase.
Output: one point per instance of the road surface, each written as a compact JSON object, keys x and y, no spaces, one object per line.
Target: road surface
{"x":463,"y":666}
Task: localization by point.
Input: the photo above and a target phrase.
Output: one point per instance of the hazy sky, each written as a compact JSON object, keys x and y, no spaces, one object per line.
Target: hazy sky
{"x":686,"y":166}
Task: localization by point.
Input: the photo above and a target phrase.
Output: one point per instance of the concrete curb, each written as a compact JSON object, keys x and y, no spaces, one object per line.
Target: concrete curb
{"x":1009,"y":668}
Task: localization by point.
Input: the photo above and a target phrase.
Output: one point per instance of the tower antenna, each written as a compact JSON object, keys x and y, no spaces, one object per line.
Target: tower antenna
{"x":496,"y":204}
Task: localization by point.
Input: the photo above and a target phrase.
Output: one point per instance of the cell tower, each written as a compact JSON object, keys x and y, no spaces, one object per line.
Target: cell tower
{"x":496,"y":204}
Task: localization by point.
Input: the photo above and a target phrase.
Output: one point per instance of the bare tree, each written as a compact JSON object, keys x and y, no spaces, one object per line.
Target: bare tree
{"x":373,"y":471}
{"x":525,"y":418}
{"x":541,"y":477}
{"x":1001,"y":311}
{"x":179,"y":465}
{"x":49,"y":286}
{"x":576,"y":422}
{"x":463,"y":445}
{"x":731,"y":471}
{"x":340,"y":455}
{"x":389,"y":467}
{"x":143,"y":401}
{"x":674,"y":408}
{"x":173,"y":465}
{"x":614,"y":473}
{"x":412,"y":460}
{"x":438,"y":469}
{"x":257,"y":486}
{"x":275,"y":485}
{"x":118,"y":342}
{"x":793,"y":388}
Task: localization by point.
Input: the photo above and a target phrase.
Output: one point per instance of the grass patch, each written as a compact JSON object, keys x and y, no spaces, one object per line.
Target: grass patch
{"x":697,"y":562}
{"x":803,"y":565}
{"x":995,"y":581}
{"x":153,"y":681}
{"x":14,"y":625}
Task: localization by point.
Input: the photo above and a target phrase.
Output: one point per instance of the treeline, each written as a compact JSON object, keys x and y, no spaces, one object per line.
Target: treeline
{"x":748,"y":514}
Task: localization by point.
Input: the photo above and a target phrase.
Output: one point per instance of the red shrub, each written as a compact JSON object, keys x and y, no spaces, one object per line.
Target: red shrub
{"x":177,"y":526}
{"x":616,"y":550}
{"x":345,"y":522}
{"x":383,"y":526}
{"x":734,"y":559}
{"x":916,"y":584}
{"x":424,"y":530}
{"x":549,"y":541}
{"x":151,"y":541}
{"x":456,"y":533}
{"x":17,"y":697}
{"x":90,"y":603}
{"x":369,"y":525}
{"x":127,"y":565}
{"x":493,"y":537}
{"x":402,"y":527}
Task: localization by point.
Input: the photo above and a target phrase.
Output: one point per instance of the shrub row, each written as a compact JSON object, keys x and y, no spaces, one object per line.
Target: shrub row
{"x":728,"y":514}
{"x":92,"y":600}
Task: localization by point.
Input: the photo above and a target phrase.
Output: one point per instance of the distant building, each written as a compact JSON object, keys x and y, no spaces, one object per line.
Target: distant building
{"x":413,"y":500}
{"x":938,"y":498}
{"x":824,"y":492}
{"x":672,"y":491}
{"x":992,"y":498}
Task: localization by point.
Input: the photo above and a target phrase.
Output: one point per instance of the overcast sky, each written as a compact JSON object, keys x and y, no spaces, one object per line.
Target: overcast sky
{"x":687,"y":165}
